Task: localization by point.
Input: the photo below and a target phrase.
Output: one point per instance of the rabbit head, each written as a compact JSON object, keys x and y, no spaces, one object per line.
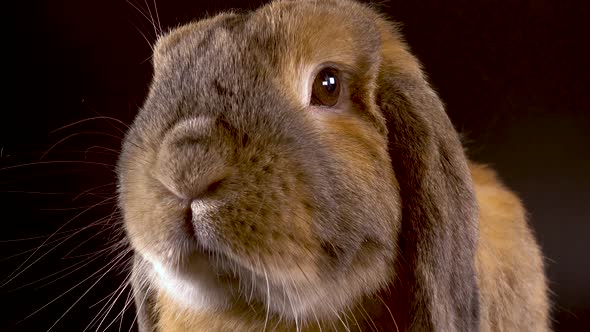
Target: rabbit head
{"x":295,"y":158}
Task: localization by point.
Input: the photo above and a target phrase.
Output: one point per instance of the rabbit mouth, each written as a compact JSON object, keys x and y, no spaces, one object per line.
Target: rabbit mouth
{"x":201,"y":272}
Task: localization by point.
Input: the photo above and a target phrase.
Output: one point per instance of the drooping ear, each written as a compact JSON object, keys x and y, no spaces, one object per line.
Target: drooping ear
{"x":436,"y":275}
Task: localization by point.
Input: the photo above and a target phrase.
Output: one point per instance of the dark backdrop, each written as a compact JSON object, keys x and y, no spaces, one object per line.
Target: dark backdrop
{"x":513,"y":74}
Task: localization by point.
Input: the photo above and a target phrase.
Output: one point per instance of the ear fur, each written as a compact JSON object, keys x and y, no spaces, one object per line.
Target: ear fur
{"x":435,"y":286}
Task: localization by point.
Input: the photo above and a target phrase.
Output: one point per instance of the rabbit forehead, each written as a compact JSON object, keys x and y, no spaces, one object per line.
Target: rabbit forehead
{"x":322,"y":31}
{"x":315,"y":31}
{"x":283,"y":41}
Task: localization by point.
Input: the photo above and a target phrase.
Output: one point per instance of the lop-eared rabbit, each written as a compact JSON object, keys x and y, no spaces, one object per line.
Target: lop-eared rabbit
{"x":292,"y":170}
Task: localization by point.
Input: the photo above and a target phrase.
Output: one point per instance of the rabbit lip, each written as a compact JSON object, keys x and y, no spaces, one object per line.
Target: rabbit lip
{"x":197,"y":222}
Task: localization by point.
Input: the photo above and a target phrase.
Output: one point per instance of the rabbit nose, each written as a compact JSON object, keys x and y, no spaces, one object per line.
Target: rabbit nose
{"x":191,"y":162}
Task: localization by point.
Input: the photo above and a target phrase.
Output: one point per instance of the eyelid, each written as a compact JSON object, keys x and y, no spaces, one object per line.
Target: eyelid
{"x":343,"y":73}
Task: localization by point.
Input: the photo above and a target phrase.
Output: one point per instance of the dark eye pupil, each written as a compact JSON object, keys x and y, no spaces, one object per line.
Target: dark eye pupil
{"x":326,"y":88}
{"x":329,"y":82}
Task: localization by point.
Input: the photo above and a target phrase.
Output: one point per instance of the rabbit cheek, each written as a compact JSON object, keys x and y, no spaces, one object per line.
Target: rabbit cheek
{"x":360,"y":147}
{"x":361,"y":157}
{"x":268,"y":229}
{"x":151,"y":216}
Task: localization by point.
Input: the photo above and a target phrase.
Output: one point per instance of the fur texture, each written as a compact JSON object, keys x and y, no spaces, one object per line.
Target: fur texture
{"x":250,"y":209}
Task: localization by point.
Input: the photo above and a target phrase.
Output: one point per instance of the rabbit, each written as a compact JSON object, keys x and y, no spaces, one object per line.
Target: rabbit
{"x":291,"y":169}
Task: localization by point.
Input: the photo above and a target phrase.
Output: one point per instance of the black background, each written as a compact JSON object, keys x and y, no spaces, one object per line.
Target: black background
{"x":513,"y":74}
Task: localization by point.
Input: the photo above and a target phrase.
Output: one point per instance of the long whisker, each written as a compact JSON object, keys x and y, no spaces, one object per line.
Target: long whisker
{"x":91,"y":189}
{"x":19,"y":270}
{"x":151,"y":18}
{"x":109,"y":119}
{"x":103,"y":221}
{"x":144,"y":37}
{"x":77,"y":134}
{"x":78,"y":265}
{"x":287,"y":294}
{"x":90,"y":119}
{"x":76,"y":230}
{"x":72,"y":288}
{"x":138,"y":309}
{"x":354,"y":318}
{"x":143,"y":13}
{"x":344,"y":324}
{"x":390,"y":313}
{"x":157,"y":18}
{"x":68,"y":209}
{"x":126,"y":306}
{"x":113,"y":151}
{"x":369,"y":319}
{"x":267,"y":298}
{"x":122,"y":288}
{"x":112,"y":168}
{"x":32,"y":193}
{"x":87,"y":291}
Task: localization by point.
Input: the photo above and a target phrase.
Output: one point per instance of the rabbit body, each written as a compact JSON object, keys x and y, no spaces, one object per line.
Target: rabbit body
{"x":256,"y":198}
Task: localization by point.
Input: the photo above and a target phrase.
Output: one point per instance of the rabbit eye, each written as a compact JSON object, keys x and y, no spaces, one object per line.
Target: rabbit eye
{"x":326,"y":88}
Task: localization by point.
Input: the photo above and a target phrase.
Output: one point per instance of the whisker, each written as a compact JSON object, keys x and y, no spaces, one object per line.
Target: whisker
{"x":77,"y":134}
{"x":317,"y":320}
{"x":354,"y":318}
{"x":369,"y":319}
{"x":143,"y":13}
{"x":44,"y":237}
{"x":151,"y":17}
{"x":344,"y":324}
{"x":102,"y":117}
{"x":157,"y":18}
{"x":113,"y":151}
{"x":100,"y":313}
{"x":64,"y":238}
{"x":287,"y":294}
{"x":149,"y":58}
{"x":390,"y":313}
{"x":101,"y":221}
{"x":86,"y":292}
{"x":78,"y":265}
{"x":91,"y":189}
{"x":112,"y":242}
{"x":122,"y":288}
{"x":112,"y":167}
{"x":19,"y":270}
{"x":120,"y":314}
{"x":29,"y":239}
{"x":109,"y":119}
{"x":65,"y":209}
{"x":138,"y":309}
{"x":69,"y":290}
{"x":104,"y":299}
{"x":267,"y":298}
{"x":147,"y":40}
{"x":32,"y":193}
{"x":126,"y":306}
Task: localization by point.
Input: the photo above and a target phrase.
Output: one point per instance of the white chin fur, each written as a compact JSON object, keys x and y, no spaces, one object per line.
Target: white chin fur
{"x":195,"y":287}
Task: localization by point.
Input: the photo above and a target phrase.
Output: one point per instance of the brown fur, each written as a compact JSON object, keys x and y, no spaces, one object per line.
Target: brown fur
{"x":509,"y":263}
{"x":285,"y":216}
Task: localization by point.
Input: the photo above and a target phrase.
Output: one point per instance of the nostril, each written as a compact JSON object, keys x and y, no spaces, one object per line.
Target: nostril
{"x":188,"y":189}
{"x":213,"y":187}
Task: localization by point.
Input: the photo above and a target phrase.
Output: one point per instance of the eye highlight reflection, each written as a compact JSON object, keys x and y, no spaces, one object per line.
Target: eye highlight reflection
{"x":326,"y":88}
